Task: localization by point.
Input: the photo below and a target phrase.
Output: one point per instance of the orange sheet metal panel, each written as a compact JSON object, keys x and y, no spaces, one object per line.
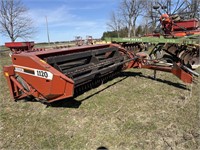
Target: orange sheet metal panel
{"x":42,"y":77}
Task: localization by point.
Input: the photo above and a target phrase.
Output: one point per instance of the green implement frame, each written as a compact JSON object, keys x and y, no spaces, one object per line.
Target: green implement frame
{"x":193,"y":39}
{"x":182,"y":49}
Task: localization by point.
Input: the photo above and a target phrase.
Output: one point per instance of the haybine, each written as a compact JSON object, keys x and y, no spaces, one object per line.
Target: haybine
{"x":55,"y":74}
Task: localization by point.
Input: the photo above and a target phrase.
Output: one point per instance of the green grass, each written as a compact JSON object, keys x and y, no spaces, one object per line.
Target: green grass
{"x":131,"y":112}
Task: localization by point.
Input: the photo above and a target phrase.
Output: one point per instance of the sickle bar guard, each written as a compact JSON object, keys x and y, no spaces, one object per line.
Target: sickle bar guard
{"x":57,"y":74}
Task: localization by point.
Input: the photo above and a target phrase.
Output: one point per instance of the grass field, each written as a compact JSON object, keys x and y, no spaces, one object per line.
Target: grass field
{"x":132,"y":111}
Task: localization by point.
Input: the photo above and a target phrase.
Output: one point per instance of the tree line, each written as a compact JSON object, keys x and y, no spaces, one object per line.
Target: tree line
{"x":15,"y":22}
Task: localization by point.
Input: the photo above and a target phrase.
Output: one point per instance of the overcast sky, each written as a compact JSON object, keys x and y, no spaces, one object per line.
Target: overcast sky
{"x":68,"y":18}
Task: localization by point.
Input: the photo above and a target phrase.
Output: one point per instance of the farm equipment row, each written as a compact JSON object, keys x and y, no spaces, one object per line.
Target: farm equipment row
{"x":176,"y":37}
{"x":184,"y":49}
{"x":80,"y":41}
{"x":52,"y":75}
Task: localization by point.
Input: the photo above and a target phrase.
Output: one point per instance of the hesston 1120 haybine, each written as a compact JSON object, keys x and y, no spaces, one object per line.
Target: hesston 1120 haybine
{"x":52,"y":75}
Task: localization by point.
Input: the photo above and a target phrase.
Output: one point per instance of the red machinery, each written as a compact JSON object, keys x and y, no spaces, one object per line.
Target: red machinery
{"x":173,"y":25}
{"x":89,"y":40}
{"x":57,"y":74}
{"x":182,"y":21}
{"x":18,"y":47}
{"x":79,"y":41}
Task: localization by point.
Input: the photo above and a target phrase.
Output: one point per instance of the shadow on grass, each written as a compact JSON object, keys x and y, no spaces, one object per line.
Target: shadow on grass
{"x":177,"y":85}
{"x":73,"y":103}
{"x":66,"y":103}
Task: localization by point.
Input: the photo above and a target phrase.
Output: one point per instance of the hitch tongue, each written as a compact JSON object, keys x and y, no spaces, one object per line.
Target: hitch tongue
{"x":189,"y":70}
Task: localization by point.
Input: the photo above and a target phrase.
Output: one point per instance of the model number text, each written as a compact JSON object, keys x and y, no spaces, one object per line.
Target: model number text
{"x":42,"y":73}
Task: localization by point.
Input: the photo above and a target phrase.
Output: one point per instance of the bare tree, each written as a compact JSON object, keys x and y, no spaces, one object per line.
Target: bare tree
{"x":14,"y":21}
{"x":194,"y":8}
{"x":131,"y":10}
{"x":115,"y":23}
{"x":150,"y":16}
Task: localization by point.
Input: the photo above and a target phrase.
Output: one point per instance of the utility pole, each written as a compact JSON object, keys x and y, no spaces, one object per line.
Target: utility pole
{"x":47,"y":29}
